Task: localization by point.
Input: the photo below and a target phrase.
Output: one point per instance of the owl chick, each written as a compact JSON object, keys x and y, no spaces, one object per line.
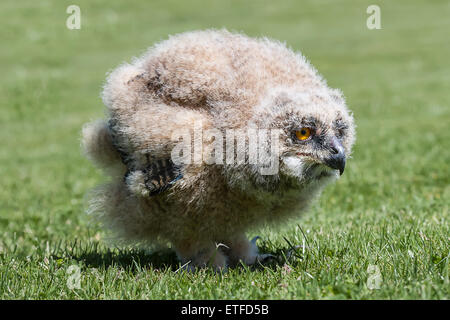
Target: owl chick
{"x":226,"y":83}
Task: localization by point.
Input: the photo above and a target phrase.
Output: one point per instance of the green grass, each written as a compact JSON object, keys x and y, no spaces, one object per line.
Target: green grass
{"x":389,"y":210}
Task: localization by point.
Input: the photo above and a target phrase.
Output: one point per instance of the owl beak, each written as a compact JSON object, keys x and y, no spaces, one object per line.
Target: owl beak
{"x":336,"y":160}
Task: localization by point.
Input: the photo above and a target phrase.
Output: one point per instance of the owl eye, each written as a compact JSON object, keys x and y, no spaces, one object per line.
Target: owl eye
{"x":303,"y":134}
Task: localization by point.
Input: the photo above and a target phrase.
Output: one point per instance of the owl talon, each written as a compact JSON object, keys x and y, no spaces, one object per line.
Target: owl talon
{"x":292,"y":251}
{"x":264,"y":257}
{"x":259,"y":257}
{"x":253,"y":241}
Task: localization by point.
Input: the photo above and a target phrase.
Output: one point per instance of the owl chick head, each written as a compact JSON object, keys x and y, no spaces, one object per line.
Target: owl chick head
{"x":316,"y":132}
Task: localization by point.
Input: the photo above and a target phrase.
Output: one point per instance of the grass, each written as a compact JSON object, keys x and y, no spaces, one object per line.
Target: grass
{"x":389,"y":211}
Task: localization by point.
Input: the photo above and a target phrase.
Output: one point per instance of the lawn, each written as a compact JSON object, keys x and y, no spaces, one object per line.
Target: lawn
{"x":380,"y":232}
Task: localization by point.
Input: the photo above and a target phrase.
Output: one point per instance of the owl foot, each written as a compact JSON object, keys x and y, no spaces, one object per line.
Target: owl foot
{"x":242,"y":250}
{"x":193,"y":259}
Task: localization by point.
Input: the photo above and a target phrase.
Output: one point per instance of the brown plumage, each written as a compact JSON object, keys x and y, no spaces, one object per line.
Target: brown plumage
{"x":222,"y":81}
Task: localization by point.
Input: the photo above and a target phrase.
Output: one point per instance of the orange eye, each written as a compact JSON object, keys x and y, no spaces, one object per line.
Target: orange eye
{"x":303,"y":133}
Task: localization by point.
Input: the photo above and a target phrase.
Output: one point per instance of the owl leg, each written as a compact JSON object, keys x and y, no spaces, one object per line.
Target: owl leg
{"x":194,"y":256}
{"x":241,"y":249}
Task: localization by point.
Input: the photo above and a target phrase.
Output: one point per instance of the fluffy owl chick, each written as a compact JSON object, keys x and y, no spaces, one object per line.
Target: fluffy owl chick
{"x":220,"y":89}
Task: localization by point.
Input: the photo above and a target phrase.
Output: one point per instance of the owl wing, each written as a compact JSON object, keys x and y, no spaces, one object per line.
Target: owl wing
{"x":160,"y":175}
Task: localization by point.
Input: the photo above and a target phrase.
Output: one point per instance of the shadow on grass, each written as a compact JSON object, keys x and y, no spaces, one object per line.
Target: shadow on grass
{"x":135,"y":259}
